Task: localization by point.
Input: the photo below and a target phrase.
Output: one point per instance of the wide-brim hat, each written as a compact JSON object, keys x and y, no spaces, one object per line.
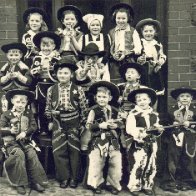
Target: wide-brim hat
{"x":123,"y":68}
{"x":37,"y":38}
{"x":75,"y":9}
{"x":176,"y":92}
{"x":11,"y":93}
{"x":61,"y":64}
{"x":115,"y":93}
{"x":150,"y":92}
{"x":91,"y":50}
{"x":122,"y":5}
{"x":146,"y":21}
{"x":20,"y":46}
{"x":34,"y":10}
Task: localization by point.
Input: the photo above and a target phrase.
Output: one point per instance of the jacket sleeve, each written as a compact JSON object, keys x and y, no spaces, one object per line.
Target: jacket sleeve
{"x":32,"y":125}
{"x":4,"y":126}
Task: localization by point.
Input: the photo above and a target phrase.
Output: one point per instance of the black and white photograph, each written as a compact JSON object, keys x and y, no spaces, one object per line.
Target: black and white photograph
{"x":98,"y":97}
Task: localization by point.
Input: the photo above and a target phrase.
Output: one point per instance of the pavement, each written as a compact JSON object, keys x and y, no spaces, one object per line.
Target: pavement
{"x":54,"y":190}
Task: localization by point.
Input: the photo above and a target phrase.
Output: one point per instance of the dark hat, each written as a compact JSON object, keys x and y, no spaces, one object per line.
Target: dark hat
{"x":91,"y":50}
{"x":37,"y":38}
{"x":176,"y":92}
{"x":151,"y":93}
{"x":20,"y":46}
{"x":9,"y":95}
{"x":109,"y":85}
{"x":34,"y":10}
{"x":122,"y":5}
{"x":72,"y":8}
{"x":151,"y":21}
{"x":61,"y":64}
{"x":123,"y":68}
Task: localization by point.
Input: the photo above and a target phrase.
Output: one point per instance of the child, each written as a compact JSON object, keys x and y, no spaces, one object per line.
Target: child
{"x":66,"y":110}
{"x":144,"y":148}
{"x":181,"y":142}
{"x":104,"y":126}
{"x":70,"y":17}
{"x":48,"y":43}
{"x":35,"y":20}
{"x":152,"y":57}
{"x":22,"y":166}
{"x":125,"y":41}
{"x":13,"y":74}
{"x":95,"y":24}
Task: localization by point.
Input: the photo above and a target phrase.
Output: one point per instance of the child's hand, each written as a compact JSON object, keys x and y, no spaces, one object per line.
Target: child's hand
{"x":50,"y":126}
{"x":159,"y":128}
{"x":103,"y":125}
{"x":19,"y":75}
{"x":141,"y":60}
{"x":186,"y":123}
{"x":161,"y":61}
{"x":14,"y":75}
{"x":21,"y":135}
{"x":9,"y":75}
{"x":175,"y":123}
{"x":35,"y":70}
{"x":157,"y":68}
{"x":14,"y":130}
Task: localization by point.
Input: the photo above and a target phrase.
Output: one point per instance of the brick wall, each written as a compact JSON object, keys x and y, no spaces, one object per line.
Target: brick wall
{"x":8,"y":24}
{"x":181,"y":45}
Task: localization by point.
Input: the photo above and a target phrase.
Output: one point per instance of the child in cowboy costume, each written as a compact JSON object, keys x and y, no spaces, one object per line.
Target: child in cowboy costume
{"x":22,"y":166}
{"x":48,"y":43}
{"x":152,"y":57}
{"x":66,"y":110}
{"x":70,"y":17}
{"x":125,"y":41}
{"x":181,"y":142}
{"x":143,"y":150}
{"x":35,"y":20}
{"x":13,"y":75}
{"x":95,"y":24}
{"x":105,"y":130}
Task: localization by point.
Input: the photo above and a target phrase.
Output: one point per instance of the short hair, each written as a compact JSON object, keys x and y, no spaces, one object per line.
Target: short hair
{"x":48,"y":40}
{"x":16,"y":49}
{"x":104,"y":90}
{"x":139,"y":94}
{"x":20,"y":95}
{"x":149,"y":24}
{"x":44,"y":26}
{"x":129,"y":17}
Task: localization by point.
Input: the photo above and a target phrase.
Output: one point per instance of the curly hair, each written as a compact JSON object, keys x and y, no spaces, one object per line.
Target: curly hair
{"x":68,"y":12}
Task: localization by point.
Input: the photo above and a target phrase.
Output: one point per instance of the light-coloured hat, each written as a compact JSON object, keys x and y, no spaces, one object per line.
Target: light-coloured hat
{"x":88,"y":18}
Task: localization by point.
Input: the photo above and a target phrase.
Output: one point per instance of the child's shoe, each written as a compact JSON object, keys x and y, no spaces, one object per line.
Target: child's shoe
{"x":73,"y":183}
{"x":112,"y":189}
{"x":21,"y":190}
{"x":64,"y":184}
{"x":38,"y":187}
{"x":148,"y":192}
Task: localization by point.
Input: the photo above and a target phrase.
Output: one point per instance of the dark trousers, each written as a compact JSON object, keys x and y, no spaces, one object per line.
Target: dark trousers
{"x":23,"y":166}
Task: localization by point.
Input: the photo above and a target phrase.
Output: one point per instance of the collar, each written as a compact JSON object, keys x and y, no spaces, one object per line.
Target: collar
{"x":126,"y":28}
{"x":32,"y":33}
{"x":152,"y":42}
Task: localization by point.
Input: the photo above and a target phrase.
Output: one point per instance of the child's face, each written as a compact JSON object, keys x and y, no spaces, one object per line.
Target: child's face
{"x":14,"y":56}
{"x":64,"y":75}
{"x":95,"y":27}
{"x":103,"y":98}
{"x":148,"y":32}
{"x":35,"y":22}
{"x":132,"y":75}
{"x":69,"y":20}
{"x":121,"y":19}
{"x":185,"y":98}
{"x":143,"y":100}
{"x":90,"y":60}
{"x":19,"y":102}
{"x":47,"y":47}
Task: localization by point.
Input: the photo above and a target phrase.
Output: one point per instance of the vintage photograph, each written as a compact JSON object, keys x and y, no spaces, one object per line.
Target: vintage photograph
{"x":98,"y":97}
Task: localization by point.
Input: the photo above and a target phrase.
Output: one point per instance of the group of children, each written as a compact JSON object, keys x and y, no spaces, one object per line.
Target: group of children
{"x":92,"y":93}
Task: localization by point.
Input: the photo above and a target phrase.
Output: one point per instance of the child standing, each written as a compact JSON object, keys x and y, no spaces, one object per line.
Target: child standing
{"x":17,"y":126}
{"x":152,"y":57}
{"x":13,"y":73}
{"x":143,"y":150}
{"x":103,"y":124}
{"x":125,"y":41}
{"x":66,"y":110}
{"x":35,"y":20}
{"x":181,"y":142}
{"x":95,"y":23}
{"x":70,"y":17}
{"x":49,"y":44}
